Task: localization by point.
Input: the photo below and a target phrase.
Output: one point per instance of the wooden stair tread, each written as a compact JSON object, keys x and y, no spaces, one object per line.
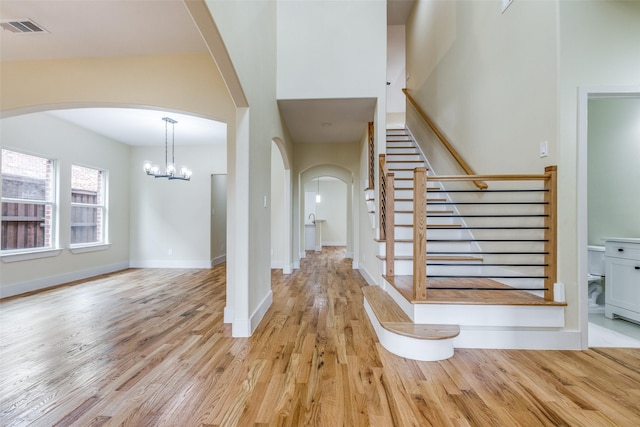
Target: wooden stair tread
{"x":434,"y":258}
{"x":393,"y":319}
{"x":410,"y":199}
{"x":446,"y":226}
{"x":428,"y":212}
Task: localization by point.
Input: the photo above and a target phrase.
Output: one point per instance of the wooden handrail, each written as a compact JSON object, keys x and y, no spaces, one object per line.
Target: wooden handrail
{"x":495,"y":177}
{"x":464,"y":165}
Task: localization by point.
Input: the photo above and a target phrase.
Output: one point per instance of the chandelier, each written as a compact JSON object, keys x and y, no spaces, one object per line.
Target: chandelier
{"x":169,"y":168}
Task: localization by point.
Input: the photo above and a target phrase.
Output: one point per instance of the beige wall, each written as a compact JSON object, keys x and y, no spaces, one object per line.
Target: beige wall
{"x":184,"y":83}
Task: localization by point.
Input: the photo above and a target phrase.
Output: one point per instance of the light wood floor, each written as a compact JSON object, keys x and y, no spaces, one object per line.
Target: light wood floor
{"x":148,"y":348}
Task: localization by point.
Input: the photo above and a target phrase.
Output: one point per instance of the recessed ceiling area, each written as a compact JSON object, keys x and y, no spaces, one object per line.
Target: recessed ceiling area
{"x":327,"y":120}
{"x":140,"y":127}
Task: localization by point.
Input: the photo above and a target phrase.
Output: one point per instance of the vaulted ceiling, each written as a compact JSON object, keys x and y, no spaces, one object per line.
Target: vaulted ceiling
{"x":103,"y":28}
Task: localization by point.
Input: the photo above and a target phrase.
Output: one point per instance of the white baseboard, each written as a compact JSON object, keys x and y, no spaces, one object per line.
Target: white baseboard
{"x":518,"y":339}
{"x":171,"y":264}
{"x":244,"y":327}
{"x":51,"y":281}
{"x":334,"y":243}
{"x":261,"y":310}
{"x":277,"y":264}
{"x":348,"y":254}
{"x":367,"y":276}
{"x":229,"y":314}
{"x":218,"y":260}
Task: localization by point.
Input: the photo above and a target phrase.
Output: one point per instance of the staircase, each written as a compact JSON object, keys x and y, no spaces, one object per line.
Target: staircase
{"x":462,"y":294}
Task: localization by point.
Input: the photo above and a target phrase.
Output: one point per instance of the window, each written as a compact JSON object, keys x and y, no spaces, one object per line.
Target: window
{"x":28,"y":202}
{"x":88,"y":209}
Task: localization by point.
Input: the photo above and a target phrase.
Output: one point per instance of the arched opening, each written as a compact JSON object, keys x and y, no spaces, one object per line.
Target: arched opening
{"x":339,"y":177}
{"x":150,"y":222}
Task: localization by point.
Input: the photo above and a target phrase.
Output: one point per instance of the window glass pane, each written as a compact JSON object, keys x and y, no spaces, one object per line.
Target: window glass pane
{"x":28,"y":224}
{"x":87,"y":222}
{"x":24,"y":225}
{"x":86,"y":185}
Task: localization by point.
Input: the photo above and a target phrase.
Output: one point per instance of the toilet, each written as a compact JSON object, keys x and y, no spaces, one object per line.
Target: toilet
{"x":595,"y":276}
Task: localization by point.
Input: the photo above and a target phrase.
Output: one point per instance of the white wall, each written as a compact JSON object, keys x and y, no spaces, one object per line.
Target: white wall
{"x":44,"y":135}
{"x":218,"y":218}
{"x":277,"y":208}
{"x":497,"y":84}
{"x":488,"y":79}
{"x":332,"y":209}
{"x":171,"y":220}
{"x":614,"y":173}
{"x":396,"y":75}
{"x":331,"y":49}
{"x":248,"y":29}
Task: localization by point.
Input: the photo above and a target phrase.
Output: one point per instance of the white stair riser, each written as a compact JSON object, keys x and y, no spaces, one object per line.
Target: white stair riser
{"x":403,"y":183}
{"x":400,"y":150}
{"x":404,"y":233}
{"x":404,"y":165}
{"x":406,"y":248}
{"x":407,"y":218}
{"x":404,"y":157}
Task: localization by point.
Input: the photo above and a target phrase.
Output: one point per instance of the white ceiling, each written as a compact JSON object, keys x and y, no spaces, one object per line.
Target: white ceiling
{"x":145,"y":127}
{"x":91,"y":28}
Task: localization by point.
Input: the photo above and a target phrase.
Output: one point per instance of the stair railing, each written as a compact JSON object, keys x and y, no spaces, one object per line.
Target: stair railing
{"x":371,"y":157}
{"x":515,"y":225}
{"x":387,"y":214}
{"x":481,"y":185}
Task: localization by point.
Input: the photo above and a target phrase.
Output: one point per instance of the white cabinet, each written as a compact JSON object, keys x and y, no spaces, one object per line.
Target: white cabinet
{"x":622,"y":286}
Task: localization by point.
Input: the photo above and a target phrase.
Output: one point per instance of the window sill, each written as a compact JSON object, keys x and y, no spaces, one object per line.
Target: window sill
{"x":80,"y":249}
{"x":25,"y":256}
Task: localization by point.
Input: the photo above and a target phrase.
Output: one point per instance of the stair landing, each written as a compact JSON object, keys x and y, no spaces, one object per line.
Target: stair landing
{"x":485,"y":291}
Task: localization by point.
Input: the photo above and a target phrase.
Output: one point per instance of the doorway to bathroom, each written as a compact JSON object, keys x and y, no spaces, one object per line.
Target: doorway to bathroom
{"x":609,"y":146}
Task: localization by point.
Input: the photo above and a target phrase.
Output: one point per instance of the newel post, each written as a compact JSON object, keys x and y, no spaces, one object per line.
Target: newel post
{"x":551,"y":230}
{"x":420,"y":234}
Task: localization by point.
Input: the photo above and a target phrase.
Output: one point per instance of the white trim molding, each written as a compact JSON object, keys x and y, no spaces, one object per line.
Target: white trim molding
{"x":51,"y":281}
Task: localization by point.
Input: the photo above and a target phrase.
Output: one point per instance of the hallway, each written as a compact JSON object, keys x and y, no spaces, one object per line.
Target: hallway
{"x":147,"y":347}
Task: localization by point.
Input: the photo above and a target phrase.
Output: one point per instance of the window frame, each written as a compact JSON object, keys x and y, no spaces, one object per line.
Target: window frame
{"x":52,"y":203}
{"x":103,"y":243}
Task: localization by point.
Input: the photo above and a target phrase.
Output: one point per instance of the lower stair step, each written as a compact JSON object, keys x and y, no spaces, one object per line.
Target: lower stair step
{"x":398,"y":334}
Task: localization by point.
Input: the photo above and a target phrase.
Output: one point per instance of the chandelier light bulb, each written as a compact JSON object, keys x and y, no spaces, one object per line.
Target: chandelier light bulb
{"x":170,"y":169}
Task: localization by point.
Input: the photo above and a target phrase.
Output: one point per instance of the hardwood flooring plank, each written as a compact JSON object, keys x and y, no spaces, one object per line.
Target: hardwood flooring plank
{"x":147,"y":347}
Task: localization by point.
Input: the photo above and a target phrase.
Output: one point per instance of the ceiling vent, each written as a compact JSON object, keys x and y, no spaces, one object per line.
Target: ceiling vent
{"x":22,"y":26}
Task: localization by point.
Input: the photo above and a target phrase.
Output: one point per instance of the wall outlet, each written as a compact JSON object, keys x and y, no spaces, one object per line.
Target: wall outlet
{"x":544,"y":149}
{"x":170,"y":251}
